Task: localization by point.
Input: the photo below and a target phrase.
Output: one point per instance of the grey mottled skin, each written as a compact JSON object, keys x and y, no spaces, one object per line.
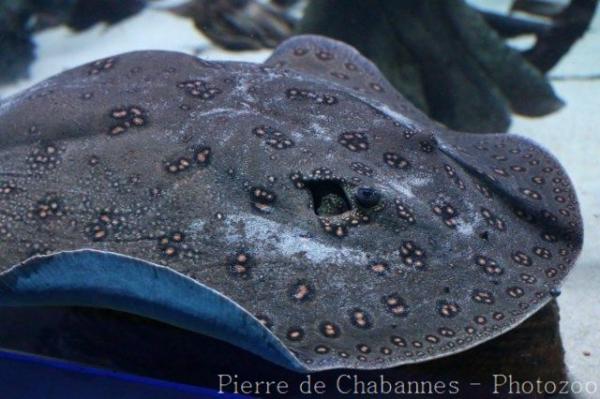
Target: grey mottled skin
{"x":207,"y":167}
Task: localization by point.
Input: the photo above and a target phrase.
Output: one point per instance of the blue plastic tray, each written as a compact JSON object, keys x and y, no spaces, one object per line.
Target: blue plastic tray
{"x":25,"y":376}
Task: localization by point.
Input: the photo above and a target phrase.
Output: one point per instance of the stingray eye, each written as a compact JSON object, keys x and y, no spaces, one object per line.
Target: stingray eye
{"x":367,"y":197}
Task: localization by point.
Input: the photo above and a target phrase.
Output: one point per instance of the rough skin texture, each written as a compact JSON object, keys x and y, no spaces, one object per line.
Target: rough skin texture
{"x":216,"y":169}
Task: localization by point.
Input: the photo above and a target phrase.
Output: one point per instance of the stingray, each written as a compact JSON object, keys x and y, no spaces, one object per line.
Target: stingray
{"x":300,"y":209}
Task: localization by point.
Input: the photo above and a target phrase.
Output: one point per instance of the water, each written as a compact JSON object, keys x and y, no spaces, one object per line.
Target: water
{"x":570,"y":134}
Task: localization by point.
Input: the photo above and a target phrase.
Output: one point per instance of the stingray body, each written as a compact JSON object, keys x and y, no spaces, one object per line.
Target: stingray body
{"x":300,"y":208}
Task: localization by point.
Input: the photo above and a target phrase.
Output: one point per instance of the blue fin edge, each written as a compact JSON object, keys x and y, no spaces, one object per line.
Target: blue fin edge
{"x":108,"y":280}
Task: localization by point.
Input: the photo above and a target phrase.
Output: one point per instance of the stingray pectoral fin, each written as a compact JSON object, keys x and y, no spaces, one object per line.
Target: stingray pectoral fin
{"x":341,"y":64}
{"x":108,"y":280}
{"x":526,"y":177}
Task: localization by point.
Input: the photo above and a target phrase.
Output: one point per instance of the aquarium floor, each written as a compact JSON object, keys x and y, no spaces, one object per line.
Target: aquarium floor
{"x":572,"y":134}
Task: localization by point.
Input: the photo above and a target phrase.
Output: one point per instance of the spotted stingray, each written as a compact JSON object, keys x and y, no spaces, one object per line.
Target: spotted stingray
{"x":300,"y":209}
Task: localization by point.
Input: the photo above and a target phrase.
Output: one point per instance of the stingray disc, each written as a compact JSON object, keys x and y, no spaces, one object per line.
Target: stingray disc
{"x":301,"y":208}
